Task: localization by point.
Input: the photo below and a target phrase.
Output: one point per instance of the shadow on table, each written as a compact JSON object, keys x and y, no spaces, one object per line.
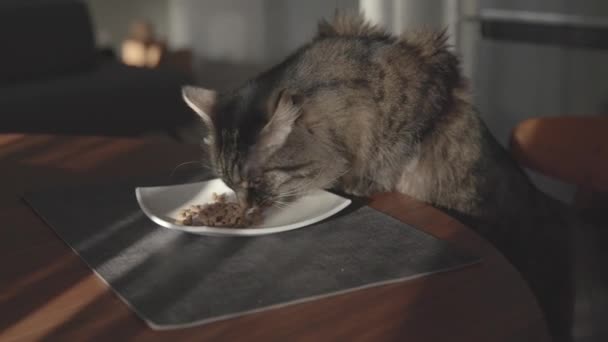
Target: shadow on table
{"x":459,"y":299}
{"x":32,"y":163}
{"x":440,"y":297}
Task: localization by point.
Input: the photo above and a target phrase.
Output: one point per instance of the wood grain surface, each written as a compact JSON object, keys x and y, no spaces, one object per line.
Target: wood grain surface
{"x":47,"y":293}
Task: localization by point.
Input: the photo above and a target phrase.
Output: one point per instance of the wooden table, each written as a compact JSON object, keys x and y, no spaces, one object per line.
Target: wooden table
{"x":46,"y":291}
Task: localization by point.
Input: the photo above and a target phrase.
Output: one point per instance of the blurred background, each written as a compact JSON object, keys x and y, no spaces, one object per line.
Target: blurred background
{"x":114,"y":67}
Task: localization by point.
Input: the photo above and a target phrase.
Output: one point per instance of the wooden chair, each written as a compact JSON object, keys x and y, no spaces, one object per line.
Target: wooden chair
{"x":570,"y":149}
{"x":575,"y":150}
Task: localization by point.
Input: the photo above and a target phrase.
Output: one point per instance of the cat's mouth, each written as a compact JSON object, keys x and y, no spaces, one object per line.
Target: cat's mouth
{"x":251,"y":203}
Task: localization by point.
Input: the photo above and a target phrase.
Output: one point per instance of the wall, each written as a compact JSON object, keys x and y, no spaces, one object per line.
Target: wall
{"x":112,"y":18}
{"x":293,"y":22}
{"x":234,"y":39}
{"x":398,"y":16}
{"x":514,"y":81}
{"x":517,"y":80}
{"x":229,"y":30}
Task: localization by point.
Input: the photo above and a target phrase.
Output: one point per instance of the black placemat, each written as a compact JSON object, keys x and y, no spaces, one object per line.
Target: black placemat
{"x":174,"y":279}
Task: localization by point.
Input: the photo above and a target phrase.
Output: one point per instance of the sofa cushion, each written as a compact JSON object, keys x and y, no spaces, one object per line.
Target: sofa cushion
{"x":40,"y":39}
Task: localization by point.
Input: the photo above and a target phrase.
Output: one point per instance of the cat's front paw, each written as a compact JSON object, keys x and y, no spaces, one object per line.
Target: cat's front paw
{"x":354,"y":191}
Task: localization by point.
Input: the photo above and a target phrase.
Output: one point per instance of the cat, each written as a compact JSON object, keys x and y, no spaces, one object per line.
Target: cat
{"x":365,"y":111}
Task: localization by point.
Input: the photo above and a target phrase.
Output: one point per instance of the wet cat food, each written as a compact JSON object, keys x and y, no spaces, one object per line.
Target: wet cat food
{"x":220,"y":213}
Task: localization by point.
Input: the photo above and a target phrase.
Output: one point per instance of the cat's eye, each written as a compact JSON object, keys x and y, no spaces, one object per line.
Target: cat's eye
{"x":255,"y":182}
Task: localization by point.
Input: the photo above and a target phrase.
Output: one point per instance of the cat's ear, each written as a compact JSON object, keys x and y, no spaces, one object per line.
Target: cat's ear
{"x":280,"y":125}
{"x":201,"y":101}
{"x":285,"y":113}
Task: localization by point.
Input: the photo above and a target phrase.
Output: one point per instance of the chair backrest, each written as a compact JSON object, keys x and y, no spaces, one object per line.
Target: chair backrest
{"x":40,"y":39}
{"x":573,"y":149}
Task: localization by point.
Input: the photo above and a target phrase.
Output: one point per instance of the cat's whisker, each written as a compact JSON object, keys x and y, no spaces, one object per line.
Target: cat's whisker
{"x":339,"y":176}
{"x":290,"y":193}
{"x":293,"y":193}
{"x":201,"y":165}
{"x":299,"y":190}
{"x":280,"y":204}
{"x":305,"y":185}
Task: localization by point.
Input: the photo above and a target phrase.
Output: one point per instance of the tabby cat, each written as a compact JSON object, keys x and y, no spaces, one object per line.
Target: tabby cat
{"x":365,"y":111}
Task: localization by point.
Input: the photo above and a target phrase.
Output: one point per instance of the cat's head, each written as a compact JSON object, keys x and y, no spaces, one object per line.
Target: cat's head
{"x":260,"y":148}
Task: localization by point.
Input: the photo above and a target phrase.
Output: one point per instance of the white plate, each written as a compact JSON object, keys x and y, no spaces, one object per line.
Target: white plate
{"x":162,"y":205}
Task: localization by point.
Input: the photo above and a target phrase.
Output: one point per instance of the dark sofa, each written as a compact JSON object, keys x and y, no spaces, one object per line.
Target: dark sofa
{"x":54,"y":80}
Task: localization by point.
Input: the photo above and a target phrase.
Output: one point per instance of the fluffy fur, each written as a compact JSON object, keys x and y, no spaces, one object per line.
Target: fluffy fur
{"x":365,"y":111}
